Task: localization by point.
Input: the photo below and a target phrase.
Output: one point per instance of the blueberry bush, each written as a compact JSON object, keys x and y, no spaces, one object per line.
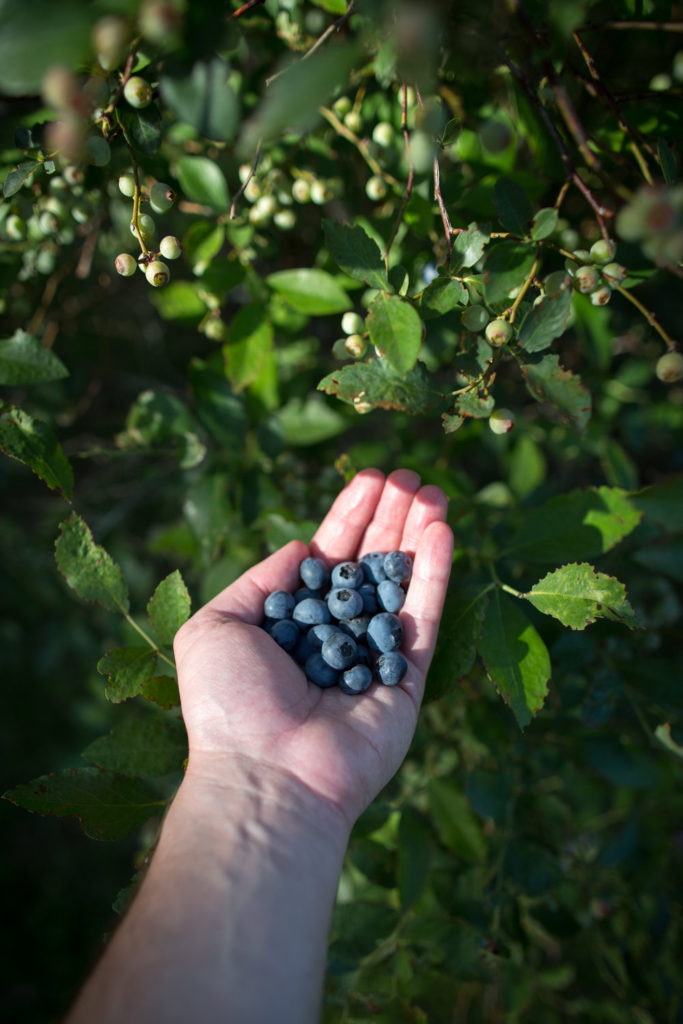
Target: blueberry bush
{"x":248,"y":249}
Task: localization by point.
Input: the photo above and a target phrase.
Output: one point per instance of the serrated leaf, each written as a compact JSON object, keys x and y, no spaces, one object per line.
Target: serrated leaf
{"x":474,"y":406}
{"x":457,"y":825}
{"x":18,"y":177}
{"x":548,"y":382}
{"x":375,"y":383}
{"x":33,"y":443}
{"x":140,"y":748}
{"x":141,"y":129}
{"x":356,"y":253}
{"x":547,"y":320}
{"x":88,"y":568}
{"x":203,"y":181}
{"x":544,"y":223}
{"x":513,"y":207}
{"x":507,"y":266}
{"x":515,"y":657}
{"x":204,"y":99}
{"x":25,"y":360}
{"x":108,"y":806}
{"x":161,"y":690}
{"x":126,"y":669}
{"x":468,"y":246}
{"x":443,"y":295}
{"x":577,"y":595}
{"x":575,"y":526}
{"x":310,"y":291}
{"x":169,"y":607}
{"x":456,"y":646}
{"x":395,"y":331}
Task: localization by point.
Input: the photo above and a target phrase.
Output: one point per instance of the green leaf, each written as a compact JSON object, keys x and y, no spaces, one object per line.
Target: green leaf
{"x":169,"y":607}
{"x":161,"y":690}
{"x":108,"y":806}
{"x":547,"y":320}
{"x":395,"y":331}
{"x":514,"y":209}
{"x":201,"y":243}
{"x":216,"y":405}
{"x":544,"y":223}
{"x":548,"y":382}
{"x":310,"y":291}
{"x":203,"y":181}
{"x":474,"y":406}
{"x":204,"y":99}
{"x":356,"y":253}
{"x":140,"y":748}
{"x":414,"y":849}
{"x":180,"y":301}
{"x":293,"y":104}
{"x":575,"y":526}
{"x":126,"y":669}
{"x":443,"y":295}
{"x":37,"y":36}
{"x":662,"y":503}
{"x":25,"y":360}
{"x":667,"y":161}
{"x":250,"y":343}
{"x":22,"y":175}
{"x":665,"y":557}
{"x":376,"y":383}
{"x":333,"y":6}
{"x":577,"y":595}
{"x":33,"y":443}
{"x":157,"y":420}
{"x":468,"y":246}
{"x":507,"y":266}
{"x":306,"y":421}
{"x":458,"y":827}
{"x":516,"y":659}
{"x":357,"y":928}
{"x":141,"y":129}
{"x":88,"y":568}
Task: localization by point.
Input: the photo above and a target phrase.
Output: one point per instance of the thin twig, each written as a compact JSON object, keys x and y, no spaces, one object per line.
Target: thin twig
{"x":445,"y":219}
{"x":645,"y":312}
{"x":647,"y":26}
{"x":329,"y":31}
{"x":245,"y":8}
{"x":360,"y":145}
{"x":240,"y":191}
{"x":411,"y":172}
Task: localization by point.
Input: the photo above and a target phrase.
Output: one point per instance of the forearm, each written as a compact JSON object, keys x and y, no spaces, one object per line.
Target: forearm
{"x":231,"y":920}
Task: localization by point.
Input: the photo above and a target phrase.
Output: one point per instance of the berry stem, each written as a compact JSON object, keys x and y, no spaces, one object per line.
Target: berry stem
{"x":512,"y":313}
{"x":409,"y":183}
{"x":649,"y":316}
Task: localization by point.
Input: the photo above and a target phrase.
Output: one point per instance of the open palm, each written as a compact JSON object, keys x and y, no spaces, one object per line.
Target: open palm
{"x":243,"y":696}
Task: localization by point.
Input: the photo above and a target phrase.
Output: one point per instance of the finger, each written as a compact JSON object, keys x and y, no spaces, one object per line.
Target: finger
{"x":339,"y":534}
{"x":244,"y":598}
{"x":429,"y":505}
{"x":385,"y":530}
{"x":421,"y":613}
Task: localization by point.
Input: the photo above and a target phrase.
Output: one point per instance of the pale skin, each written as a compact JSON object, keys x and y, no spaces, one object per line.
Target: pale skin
{"x":231,"y":921}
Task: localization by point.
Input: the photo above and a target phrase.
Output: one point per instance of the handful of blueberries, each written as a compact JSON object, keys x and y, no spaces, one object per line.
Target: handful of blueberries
{"x":341,"y":626}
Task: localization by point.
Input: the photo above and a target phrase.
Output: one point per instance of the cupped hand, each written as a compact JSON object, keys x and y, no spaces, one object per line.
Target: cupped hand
{"x":243,"y":697}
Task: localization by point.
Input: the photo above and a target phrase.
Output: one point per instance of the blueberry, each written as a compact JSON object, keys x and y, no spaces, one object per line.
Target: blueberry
{"x":373,"y":566}
{"x":302,"y":650}
{"x":385,"y":632}
{"x":398,"y":566}
{"x":363,"y":656}
{"x":285,"y":633}
{"x":339,"y":651}
{"x":304,"y":592}
{"x":317,"y":635}
{"x":368,"y":591}
{"x":356,"y":627}
{"x":314,"y":573}
{"x":356,"y":679}
{"x":391,"y":668}
{"x":347,"y":574}
{"x":311,"y":611}
{"x":278,"y":605}
{"x":344,"y":603}
{"x":319,"y":672}
{"x":390,"y":596}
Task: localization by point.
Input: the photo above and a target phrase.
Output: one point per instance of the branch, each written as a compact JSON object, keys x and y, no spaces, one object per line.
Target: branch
{"x":409,"y":183}
{"x":329,"y":31}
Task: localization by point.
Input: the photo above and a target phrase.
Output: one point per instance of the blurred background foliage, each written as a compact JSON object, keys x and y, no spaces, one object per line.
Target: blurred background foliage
{"x":503,"y":875}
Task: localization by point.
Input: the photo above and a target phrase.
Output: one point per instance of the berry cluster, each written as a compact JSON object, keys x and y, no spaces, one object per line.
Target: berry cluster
{"x":594,"y":273}
{"x":342,"y":625}
{"x":161,"y":199}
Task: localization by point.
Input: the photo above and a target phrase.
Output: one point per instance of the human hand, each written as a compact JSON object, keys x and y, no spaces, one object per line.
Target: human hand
{"x":245,"y":700}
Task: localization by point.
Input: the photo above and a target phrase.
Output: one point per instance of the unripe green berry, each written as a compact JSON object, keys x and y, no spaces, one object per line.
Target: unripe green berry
{"x":352,"y":323}
{"x":602,"y":251}
{"x":601,"y":296}
{"x":498,"y":332}
{"x":422,"y":149}
{"x":320,"y":193}
{"x":109,"y":36}
{"x":355,"y":345}
{"x":48,"y":223}
{"x":586,"y":279}
{"x":614,"y":272}
{"x":158,"y":274}
{"x":215,"y":329}
{"x":669,"y":367}
{"x":137,"y":92}
{"x":97,"y":151}
{"x":161,"y":197}
{"x":146,"y":226}
{"x":375,"y":188}
{"x":582,"y":256}
{"x":556,"y":282}
{"x":15,"y":227}
{"x":125,"y":264}
{"x":475,"y":318}
{"x":170,"y":247}
{"x":127,"y":185}
{"x":285,"y":219}
{"x":301,"y":190}
{"x":383,"y":134}
{"x":501,"y":421}
{"x":353,"y":121}
{"x":342,"y":106}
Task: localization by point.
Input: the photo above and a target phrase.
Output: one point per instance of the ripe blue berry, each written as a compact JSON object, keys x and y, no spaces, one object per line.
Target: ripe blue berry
{"x":373,"y":566}
{"x":347,"y":574}
{"x":356,"y":680}
{"x":310,"y":612}
{"x":385,"y":632}
{"x":339,"y":651}
{"x":344,"y":603}
{"x":391,"y":668}
{"x":368,"y":591}
{"x":285,"y":633}
{"x":314,"y":573}
{"x":319,"y":672}
{"x":318,"y":634}
{"x":278,"y":605}
{"x":356,"y":627}
{"x":390,"y":596}
{"x":398,"y":566}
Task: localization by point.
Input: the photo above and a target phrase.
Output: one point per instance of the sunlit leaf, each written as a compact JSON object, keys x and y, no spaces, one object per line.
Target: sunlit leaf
{"x":29,"y":441}
{"x":577,"y":595}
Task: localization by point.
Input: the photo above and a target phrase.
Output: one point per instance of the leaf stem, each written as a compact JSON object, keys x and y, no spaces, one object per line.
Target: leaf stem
{"x":145,"y":636}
